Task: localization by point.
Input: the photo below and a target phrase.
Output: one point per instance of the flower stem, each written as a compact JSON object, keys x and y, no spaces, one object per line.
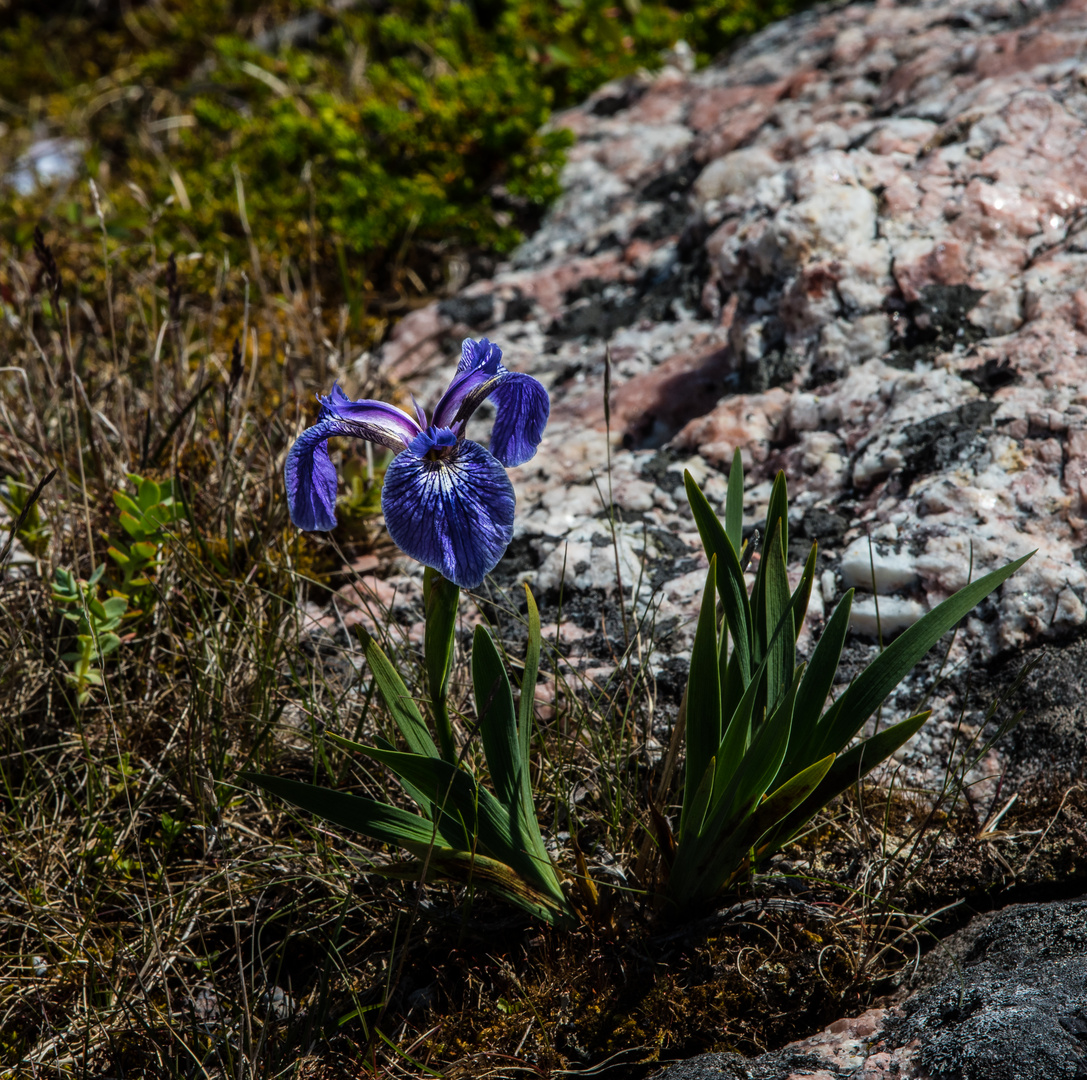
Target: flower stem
{"x":440,"y":598}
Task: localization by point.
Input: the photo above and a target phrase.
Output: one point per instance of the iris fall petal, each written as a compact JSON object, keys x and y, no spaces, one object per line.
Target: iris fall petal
{"x":454,"y":514}
{"x":311,"y":478}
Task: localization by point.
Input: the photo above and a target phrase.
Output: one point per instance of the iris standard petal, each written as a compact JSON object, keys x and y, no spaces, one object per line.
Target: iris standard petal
{"x":311,"y":479}
{"x":522,"y":408}
{"x":479,"y":354}
{"x":465,"y":394}
{"x":371,"y":420}
{"x":454,"y":514}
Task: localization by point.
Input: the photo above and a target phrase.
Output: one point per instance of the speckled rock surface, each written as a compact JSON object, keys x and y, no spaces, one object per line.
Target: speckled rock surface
{"x":855,"y":250}
{"x":1014,"y":1008}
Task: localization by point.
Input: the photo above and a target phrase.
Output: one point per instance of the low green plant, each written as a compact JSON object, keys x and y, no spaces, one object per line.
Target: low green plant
{"x":765,"y":752}
{"x":394,"y":137}
{"x":96,"y":621}
{"x":145,"y":519}
{"x":464,"y":832}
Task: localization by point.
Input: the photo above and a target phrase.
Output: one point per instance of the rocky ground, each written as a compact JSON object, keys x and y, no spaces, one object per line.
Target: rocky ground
{"x":854,"y":250}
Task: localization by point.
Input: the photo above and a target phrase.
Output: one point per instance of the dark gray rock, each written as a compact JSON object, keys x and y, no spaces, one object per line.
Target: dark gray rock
{"x":710,"y":1067}
{"x":1019,"y":1009}
{"x":1012,"y":1006}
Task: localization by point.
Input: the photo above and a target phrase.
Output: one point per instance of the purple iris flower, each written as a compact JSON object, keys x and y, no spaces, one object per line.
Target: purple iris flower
{"x":447,"y":500}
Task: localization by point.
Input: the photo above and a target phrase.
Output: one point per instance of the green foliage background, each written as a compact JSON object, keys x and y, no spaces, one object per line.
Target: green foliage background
{"x":395,"y":136}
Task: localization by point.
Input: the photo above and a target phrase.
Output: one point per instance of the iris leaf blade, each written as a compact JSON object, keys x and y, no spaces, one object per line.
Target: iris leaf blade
{"x":497,"y":719}
{"x":807,"y":578}
{"x":440,"y":599}
{"x":379,"y":821}
{"x":849,"y":767}
{"x":493,"y":875}
{"x":780,"y":646}
{"x":703,"y":695}
{"x":398,"y":700}
{"x":730,"y":578}
{"x":868,"y":690}
{"x":731,"y":858}
{"x":483,"y":814}
{"x":817,"y":684}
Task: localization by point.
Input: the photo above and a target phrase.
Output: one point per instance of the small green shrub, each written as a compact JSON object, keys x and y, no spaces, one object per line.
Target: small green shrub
{"x":370,"y":154}
{"x":145,"y":520}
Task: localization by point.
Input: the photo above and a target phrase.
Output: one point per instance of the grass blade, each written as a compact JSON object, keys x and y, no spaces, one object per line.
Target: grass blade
{"x":734,"y":502}
{"x":527,"y":715}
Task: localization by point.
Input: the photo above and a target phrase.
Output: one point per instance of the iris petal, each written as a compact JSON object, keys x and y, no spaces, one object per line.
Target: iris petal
{"x":311,"y":479}
{"x":465,"y":394}
{"x":454,"y":514}
{"x":522,"y":408}
{"x":310,"y":475}
{"x":522,"y":404}
{"x":479,"y":354}
{"x":371,"y":420}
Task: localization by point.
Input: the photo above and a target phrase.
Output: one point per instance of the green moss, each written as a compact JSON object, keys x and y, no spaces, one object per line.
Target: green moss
{"x":397,"y":136}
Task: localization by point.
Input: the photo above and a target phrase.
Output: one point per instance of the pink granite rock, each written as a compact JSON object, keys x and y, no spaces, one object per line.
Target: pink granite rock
{"x":854,"y":251}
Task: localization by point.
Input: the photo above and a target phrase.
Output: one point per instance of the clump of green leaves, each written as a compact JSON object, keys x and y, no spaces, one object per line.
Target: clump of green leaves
{"x":96,"y":624}
{"x":145,"y":520}
{"x":393,"y":137}
{"x":463,"y":832}
{"x":765,"y":752}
